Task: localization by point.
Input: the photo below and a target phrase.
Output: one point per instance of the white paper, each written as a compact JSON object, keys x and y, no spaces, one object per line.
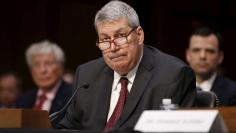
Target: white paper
{"x":176,"y":121}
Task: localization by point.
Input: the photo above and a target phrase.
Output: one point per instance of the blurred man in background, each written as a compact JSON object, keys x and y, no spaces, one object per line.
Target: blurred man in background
{"x":205,"y":55}
{"x":46,"y":64}
{"x":10,"y":89}
{"x":68,"y":77}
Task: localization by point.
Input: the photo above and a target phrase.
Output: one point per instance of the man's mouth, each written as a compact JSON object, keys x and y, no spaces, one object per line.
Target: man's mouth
{"x":117,"y":58}
{"x":202,"y":64}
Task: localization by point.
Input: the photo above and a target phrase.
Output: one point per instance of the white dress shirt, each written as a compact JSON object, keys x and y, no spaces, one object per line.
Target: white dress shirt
{"x":50,"y":96}
{"x":116,"y":87}
{"x":207,"y":84}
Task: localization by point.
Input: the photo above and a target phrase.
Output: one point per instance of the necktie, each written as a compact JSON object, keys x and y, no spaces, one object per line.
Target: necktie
{"x":42,"y":99}
{"x":120,"y":104}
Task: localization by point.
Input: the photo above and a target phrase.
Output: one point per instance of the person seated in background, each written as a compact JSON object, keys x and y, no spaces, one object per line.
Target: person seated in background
{"x":68,"y":77}
{"x":130,"y":78}
{"x":10,"y":89}
{"x":204,"y":54}
{"x":46,"y":64}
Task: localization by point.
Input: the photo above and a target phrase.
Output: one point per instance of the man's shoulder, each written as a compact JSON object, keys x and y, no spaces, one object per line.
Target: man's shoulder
{"x":26,"y":99}
{"x":30,"y":93}
{"x":226,"y":82}
{"x":92,"y":68}
{"x":224,"y":86}
{"x":225,"y":89}
{"x":65,"y":88}
{"x":164,"y":59}
{"x":169,"y":67}
{"x":94,"y":63}
{"x":64,"y":92}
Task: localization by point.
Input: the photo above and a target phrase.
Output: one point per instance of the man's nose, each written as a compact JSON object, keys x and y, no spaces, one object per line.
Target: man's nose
{"x":42,"y":68}
{"x":113,"y":46}
{"x":203,"y":54}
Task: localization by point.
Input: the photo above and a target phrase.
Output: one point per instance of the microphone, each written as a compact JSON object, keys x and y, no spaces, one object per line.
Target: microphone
{"x":55,"y":115}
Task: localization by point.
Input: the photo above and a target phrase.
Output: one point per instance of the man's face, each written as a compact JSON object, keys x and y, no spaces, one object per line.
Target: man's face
{"x":203,"y":54}
{"x":46,"y":71}
{"x":124,"y":57}
{"x":8,"y":90}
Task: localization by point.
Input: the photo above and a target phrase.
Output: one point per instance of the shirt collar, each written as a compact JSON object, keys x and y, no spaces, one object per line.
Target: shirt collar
{"x":207,"y":84}
{"x":130,"y":76}
{"x":50,"y":94}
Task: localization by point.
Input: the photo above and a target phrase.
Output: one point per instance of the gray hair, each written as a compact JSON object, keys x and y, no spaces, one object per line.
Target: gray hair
{"x":44,"y":47}
{"x":116,"y":9}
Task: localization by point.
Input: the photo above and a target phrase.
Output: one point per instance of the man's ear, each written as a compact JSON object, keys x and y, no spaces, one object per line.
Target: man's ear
{"x":221,"y":57}
{"x":187,"y":56}
{"x":140,"y":33}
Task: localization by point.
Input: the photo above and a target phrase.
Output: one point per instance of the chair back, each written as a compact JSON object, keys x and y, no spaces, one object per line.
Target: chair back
{"x":206,"y":99}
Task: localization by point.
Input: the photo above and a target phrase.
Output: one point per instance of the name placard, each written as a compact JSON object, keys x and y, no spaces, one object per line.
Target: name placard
{"x":176,"y":121}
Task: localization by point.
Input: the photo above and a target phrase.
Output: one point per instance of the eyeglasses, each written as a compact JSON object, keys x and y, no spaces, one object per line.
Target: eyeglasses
{"x":117,"y":41}
{"x":49,"y":64}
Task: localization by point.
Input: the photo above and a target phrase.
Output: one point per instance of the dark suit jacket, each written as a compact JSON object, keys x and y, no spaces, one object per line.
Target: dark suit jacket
{"x":225,"y":90}
{"x":27,"y":100}
{"x":159,"y":76}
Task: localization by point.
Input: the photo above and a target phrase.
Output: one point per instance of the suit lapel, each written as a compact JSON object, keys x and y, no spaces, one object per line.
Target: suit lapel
{"x":217,"y":87}
{"x":57,"y":102}
{"x":104,"y":94}
{"x":32,"y":98}
{"x":142,"y":78}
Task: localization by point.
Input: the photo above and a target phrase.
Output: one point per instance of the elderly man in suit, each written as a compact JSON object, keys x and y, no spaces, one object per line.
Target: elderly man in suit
{"x":130,"y":78}
{"x":204,"y":55}
{"x":46,"y":61}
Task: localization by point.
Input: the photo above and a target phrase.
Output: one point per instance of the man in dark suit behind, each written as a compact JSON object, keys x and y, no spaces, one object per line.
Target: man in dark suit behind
{"x":46,"y":61}
{"x":204,"y":55}
{"x":152,"y":76}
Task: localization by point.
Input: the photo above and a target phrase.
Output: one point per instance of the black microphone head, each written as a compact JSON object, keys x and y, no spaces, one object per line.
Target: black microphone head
{"x":85,"y":85}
